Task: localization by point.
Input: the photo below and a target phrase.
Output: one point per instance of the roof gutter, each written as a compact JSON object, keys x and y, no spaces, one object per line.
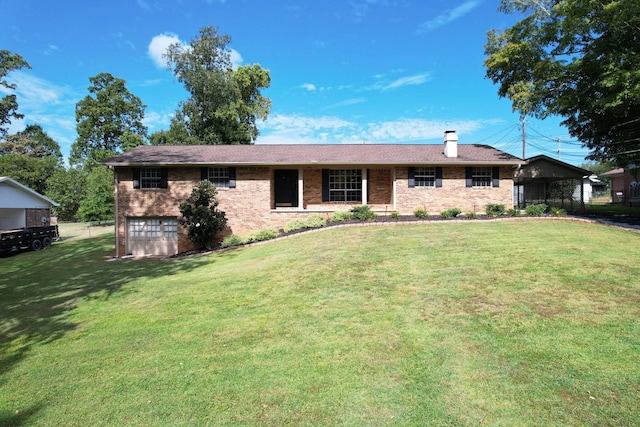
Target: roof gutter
{"x":515,"y":162}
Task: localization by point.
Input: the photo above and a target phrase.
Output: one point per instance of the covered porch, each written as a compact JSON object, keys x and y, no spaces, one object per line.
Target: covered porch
{"x":327,"y":190}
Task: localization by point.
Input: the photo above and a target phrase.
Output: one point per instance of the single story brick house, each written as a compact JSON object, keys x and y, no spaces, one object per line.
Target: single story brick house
{"x":625,"y":184}
{"x":268,"y":185}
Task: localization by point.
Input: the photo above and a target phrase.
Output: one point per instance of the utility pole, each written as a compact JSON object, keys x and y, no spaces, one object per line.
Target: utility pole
{"x":558,"y":139}
{"x":524,"y":135}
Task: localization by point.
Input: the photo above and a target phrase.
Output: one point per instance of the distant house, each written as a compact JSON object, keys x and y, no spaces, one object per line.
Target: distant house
{"x":268,"y":185}
{"x":625,"y":187}
{"x":22,"y":207}
{"x":543,"y":179}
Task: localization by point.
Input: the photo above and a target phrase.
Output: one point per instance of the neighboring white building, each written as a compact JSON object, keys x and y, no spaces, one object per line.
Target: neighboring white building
{"x":21,"y":206}
{"x":591,"y":187}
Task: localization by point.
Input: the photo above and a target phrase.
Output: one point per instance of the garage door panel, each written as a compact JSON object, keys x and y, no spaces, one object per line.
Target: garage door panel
{"x":152,"y":236}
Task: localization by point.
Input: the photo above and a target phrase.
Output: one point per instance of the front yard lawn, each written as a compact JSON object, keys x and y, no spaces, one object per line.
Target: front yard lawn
{"x":508,"y":323}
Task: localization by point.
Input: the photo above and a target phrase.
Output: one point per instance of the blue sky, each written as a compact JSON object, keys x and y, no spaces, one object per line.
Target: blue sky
{"x":357,"y":71}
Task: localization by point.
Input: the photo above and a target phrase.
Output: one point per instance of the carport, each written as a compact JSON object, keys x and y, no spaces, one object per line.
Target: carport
{"x":552,"y":182}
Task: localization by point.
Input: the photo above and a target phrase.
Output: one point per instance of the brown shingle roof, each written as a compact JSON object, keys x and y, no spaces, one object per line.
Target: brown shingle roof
{"x":310,"y":154}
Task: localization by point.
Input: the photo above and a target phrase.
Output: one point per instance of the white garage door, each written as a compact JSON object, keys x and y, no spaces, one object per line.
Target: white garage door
{"x":152,"y":236}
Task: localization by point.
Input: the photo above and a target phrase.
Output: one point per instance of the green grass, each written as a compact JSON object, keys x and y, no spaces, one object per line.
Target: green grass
{"x":613,"y":209}
{"x":509,"y":323}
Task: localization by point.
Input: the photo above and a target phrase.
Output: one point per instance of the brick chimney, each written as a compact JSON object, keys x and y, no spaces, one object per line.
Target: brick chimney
{"x":450,"y":143}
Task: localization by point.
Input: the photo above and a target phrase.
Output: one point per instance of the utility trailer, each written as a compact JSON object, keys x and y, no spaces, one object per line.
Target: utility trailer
{"x":34,"y":238}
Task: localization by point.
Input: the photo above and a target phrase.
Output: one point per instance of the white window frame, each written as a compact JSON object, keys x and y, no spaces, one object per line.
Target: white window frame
{"x":150,"y":178}
{"x":424,"y":176}
{"x":481,"y":176}
{"x":219,"y":177}
{"x":345,"y":185}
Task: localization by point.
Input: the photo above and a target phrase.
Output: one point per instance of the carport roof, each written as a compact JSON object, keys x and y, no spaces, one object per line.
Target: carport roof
{"x":545,"y":167}
{"x":311,"y":154}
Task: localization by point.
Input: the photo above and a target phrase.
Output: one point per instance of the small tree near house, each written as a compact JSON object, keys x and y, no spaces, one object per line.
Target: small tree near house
{"x":201,"y":216}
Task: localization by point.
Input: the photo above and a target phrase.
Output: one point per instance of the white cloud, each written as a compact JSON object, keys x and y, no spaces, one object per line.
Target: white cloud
{"x":296,"y":129}
{"x":46,"y":104}
{"x":236,"y":58}
{"x":346,"y":103}
{"x":51,"y":49}
{"x":156,"y":121}
{"x":158,"y":47}
{"x":308,"y":86}
{"x":449,"y":16}
{"x":408,"y":81}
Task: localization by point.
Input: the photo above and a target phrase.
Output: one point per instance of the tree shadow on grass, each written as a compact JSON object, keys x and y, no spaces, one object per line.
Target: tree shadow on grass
{"x":38,"y":290}
{"x":17,"y":418}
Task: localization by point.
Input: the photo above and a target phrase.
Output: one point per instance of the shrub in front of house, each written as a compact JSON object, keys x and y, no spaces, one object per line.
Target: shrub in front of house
{"x":232,"y":240}
{"x":339,"y":216}
{"x":363,"y":213}
{"x":421,"y":213}
{"x":471,"y":215}
{"x":395,"y":216}
{"x":493,"y":210}
{"x":450,"y":213}
{"x":312,"y":221}
{"x":558,"y":212}
{"x":536,"y":210}
{"x":262,"y":234}
{"x":514,"y":212}
{"x":201,"y":217}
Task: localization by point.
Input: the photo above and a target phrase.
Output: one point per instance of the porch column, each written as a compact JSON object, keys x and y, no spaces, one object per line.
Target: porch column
{"x":300,"y":189}
{"x":582,"y":206}
{"x":365,"y":184}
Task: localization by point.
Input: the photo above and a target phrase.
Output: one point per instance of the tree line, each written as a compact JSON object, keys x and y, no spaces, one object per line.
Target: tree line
{"x":224,"y":106}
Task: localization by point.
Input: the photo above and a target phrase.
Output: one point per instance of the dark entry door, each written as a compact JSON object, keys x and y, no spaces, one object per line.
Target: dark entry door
{"x":286,"y":187}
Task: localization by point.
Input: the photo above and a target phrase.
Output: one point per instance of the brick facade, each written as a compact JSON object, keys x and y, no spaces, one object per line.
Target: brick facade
{"x":250,"y":205}
{"x":453,"y":194}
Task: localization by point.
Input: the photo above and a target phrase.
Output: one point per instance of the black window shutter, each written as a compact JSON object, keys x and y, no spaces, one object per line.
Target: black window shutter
{"x":412,"y":177}
{"x":325,"y":185}
{"x":232,"y":177}
{"x":438,"y":177}
{"x":469,"y":176}
{"x":495,"y":174}
{"x":136,"y":177}
{"x":164,"y":177}
{"x":204,"y":174}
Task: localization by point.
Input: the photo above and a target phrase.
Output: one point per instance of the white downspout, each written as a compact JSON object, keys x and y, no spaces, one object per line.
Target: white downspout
{"x":115,"y":195}
{"x":365,"y":184}
{"x":300,"y":189}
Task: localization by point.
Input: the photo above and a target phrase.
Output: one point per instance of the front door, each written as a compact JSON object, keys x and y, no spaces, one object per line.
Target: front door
{"x":286,"y":187}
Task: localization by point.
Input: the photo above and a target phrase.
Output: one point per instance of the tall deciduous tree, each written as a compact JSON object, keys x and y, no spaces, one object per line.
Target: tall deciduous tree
{"x":225,"y":102}
{"x":99,"y":201}
{"x":68,"y":187}
{"x":9,"y":104}
{"x":33,"y":141}
{"x":578,"y":59}
{"x":109,"y":120}
{"x":30,"y":157}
